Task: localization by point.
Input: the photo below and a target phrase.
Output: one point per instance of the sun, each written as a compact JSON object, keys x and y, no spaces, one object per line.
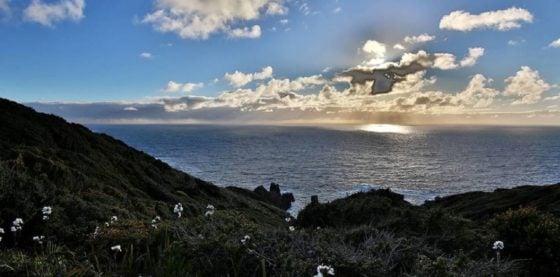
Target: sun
{"x":386,"y":128}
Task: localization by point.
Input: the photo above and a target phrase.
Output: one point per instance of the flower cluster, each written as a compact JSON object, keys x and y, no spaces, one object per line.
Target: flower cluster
{"x":498,"y":245}
{"x":178,"y":209}
{"x":245,"y":239}
{"x":324,"y":270}
{"x":155,"y":221}
{"x":46,"y":211}
{"x":39,"y":239}
{"x":209,"y":210}
{"x":17,"y":225}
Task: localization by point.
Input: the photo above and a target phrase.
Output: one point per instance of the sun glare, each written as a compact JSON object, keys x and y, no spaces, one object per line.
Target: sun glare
{"x":386,"y":128}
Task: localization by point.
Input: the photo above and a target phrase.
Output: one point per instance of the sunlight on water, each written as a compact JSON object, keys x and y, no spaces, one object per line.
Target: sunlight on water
{"x":386,"y":128}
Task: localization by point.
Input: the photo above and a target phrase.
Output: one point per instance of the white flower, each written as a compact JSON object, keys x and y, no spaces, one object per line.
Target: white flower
{"x":17,"y":222}
{"x":498,"y":245}
{"x":178,"y":209}
{"x":17,"y":225}
{"x":45,"y":217}
{"x":114,"y":219}
{"x":323,"y":270}
{"x":1,"y":230}
{"x":47,"y":210}
{"x":318,"y":228}
{"x":292,"y":228}
{"x":209,"y":210}
{"x":157,"y":218}
{"x":288,"y":219}
{"x":116,"y":248}
{"x":245,"y":239}
{"x":39,"y":239}
{"x":107,"y":224}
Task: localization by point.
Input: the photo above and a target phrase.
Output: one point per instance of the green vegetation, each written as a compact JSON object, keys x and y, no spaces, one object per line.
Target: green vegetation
{"x":88,"y":178}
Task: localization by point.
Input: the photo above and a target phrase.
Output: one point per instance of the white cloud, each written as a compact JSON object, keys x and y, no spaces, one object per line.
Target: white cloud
{"x":472,"y":57}
{"x":198,"y":19}
{"x":443,"y":61}
{"x":130,"y":109}
{"x":422,"y":38}
{"x":375,"y":49}
{"x":555,"y":44}
{"x":182,"y":87}
{"x":477,"y":94}
{"x":48,"y":14}
{"x":276,"y":8}
{"x":399,"y":46}
{"x":284,"y":21}
{"x":527,"y":85}
{"x":245,"y":32}
{"x":502,"y":20}
{"x":146,"y":55}
{"x":337,"y":10}
{"x":239,"y":79}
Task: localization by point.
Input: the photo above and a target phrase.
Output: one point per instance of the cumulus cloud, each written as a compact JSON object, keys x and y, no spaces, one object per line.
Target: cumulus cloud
{"x":239,"y":79}
{"x":526,"y":85}
{"x":245,"y":32}
{"x":198,"y":19}
{"x":399,"y":46}
{"x":182,"y":87}
{"x":382,"y":77}
{"x":146,"y":55}
{"x":555,"y":44}
{"x":375,"y":49}
{"x":47,"y":14}
{"x":501,"y":20}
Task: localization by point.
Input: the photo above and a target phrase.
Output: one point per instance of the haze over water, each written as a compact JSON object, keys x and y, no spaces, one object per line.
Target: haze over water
{"x":420,"y":162}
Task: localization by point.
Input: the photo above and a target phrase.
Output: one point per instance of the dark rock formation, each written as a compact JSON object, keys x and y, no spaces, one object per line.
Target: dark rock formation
{"x":275,"y":197}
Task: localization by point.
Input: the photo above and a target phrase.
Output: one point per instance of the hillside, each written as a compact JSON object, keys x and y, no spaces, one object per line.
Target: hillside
{"x":86,"y":178}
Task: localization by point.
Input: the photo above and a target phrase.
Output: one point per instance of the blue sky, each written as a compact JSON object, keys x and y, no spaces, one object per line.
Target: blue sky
{"x":83,"y":51}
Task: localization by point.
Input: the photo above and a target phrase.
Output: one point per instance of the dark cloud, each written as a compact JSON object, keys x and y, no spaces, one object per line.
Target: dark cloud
{"x":383,"y":79}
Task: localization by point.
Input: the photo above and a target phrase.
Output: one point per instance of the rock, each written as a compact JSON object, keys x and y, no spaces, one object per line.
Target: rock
{"x":314,"y":200}
{"x":275,"y":197}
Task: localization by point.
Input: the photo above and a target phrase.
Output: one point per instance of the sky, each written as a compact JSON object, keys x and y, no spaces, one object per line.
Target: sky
{"x":284,"y":61}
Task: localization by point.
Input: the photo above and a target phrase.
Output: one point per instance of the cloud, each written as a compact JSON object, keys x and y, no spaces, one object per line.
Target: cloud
{"x":501,"y":20}
{"x":130,"y":109}
{"x":253,"y":32}
{"x":375,"y":49}
{"x":146,"y":55}
{"x":527,"y":85}
{"x":4,"y":6}
{"x":182,"y":87}
{"x":47,"y":14}
{"x":199,"y":19}
{"x":239,"y":79}
{"x":423,"y":38}
{"x":472,"y":57}
{"x":276,"y":8}
{"x":399,"y":46}
{"x":555,"y":44}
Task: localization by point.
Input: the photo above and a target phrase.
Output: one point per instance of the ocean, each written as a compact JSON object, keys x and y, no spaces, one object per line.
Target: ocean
{"x":418,"y":162}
